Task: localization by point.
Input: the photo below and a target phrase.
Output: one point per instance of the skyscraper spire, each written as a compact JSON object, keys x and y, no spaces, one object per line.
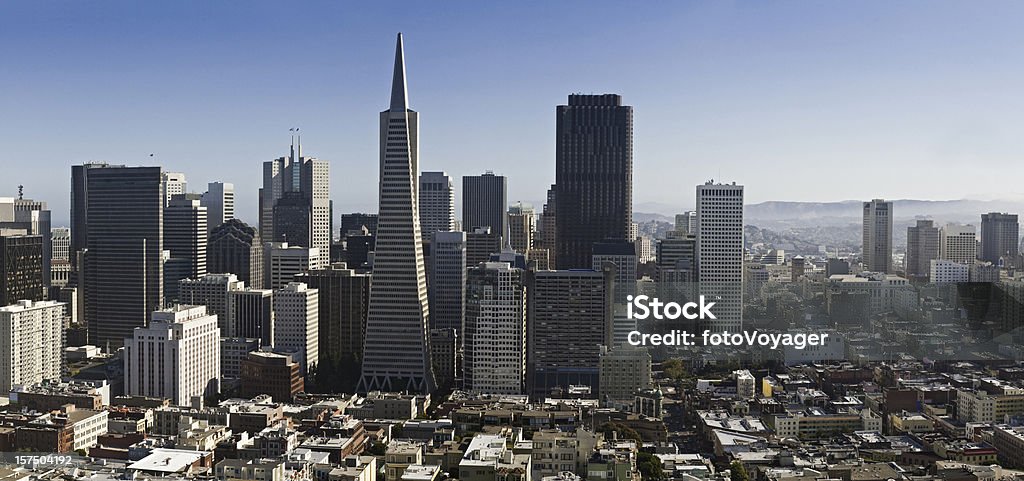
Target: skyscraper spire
{"x":399,"y":95}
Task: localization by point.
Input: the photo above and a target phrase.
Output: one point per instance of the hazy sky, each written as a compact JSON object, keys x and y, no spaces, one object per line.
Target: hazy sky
{"x":797,"y":100}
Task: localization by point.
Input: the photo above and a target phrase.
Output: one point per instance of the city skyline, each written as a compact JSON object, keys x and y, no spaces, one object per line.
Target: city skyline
{"x":807,"y":109}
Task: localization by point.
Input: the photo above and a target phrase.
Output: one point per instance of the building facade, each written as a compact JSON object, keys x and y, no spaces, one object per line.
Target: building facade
{"x":877,"y":236}
{"x":593,"y":176}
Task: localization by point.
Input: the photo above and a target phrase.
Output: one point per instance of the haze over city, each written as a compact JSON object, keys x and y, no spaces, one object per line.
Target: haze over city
{"x":800,"y":102}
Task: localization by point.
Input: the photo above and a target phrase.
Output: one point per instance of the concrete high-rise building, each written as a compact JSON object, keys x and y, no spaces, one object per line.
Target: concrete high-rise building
{"x":484,"y":200}
{"x":174,"y":184}
{"x":521,"y":218}
{"x":569,"y":318}
{"x":283,"y":261}
{"x":31,"y":343}
{"x":495,"y":335}
{"x":720,"y":253}
{"x":1000,"y":237}
{"x":958,"y":243}
{"x":252,"y":312}
{"x":176,"y":357}
{"x":34,"y":218}
{"x":124,"y":225}
{"x":60,"y":259}
{"x":397,"y":354}
{"x":448,"y":281}
{"x":877,"y":238}
{"x":922,"y":248}
{"x":344,"y":297}
{"x":214,"y":292}
{"x":686,"y":223}
{"x":21,"y":267}
{"x":219,"y":200}
{"x":644,"y":249}
{"x":308,"y":181}
{"x":593,"y":175}
{"x":297,"y":322}
{"x":235,"y":247}
{"x":437,"y":203}
{"x":185,"y":240}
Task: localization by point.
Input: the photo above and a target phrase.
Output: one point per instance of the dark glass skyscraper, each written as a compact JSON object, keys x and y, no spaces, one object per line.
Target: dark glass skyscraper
{"x":235,"y":247}
{"x":484,"y":201}
{"x":593,"y":176}
{"x":124,"y":242}
{"x":999,"y":237}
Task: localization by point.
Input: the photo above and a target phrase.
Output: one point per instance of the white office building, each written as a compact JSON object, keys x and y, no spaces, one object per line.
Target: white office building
{"x":212,"y":291}
{"x":437,"y":203}
{"x":958,"y":243}
{"x":296,"y":328}
{"x":720,"y":252}
{"x":943,"y":271}
{"x":495,"y":355}
{"x":174,"y":183}
{"x":31,"y":342}
{"x":219,"y":200}
{"x":177,"y":357}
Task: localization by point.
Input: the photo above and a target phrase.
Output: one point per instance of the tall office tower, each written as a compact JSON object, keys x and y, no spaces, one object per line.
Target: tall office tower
{"x":922,"y":249}
{"x":484,"y":200}
{"x":621,"y":255}
{"x":1000,"y":237}
{"x":296,"y":323}
{"x":356,"y":222}
{"x":60,"y":260}
{"x":686,"y":223}
{"x":252,"y":313}
{"x":34,"y":217}
{"x":958,"y":243}
{"x":521,"y":227}
{"x":174,"y":184}
{"x":21,"y":267}
{"x":282,"y":262}
{"x":31,"y":343}
{"x":358,"y":249}
{"x":344,"y":297}
{"x":495,"y":340}
{"x":481,"y":243}
{"x":124,"y":238}
{"x":569,"y":318}
{"x":720,"y":252}
{"x":235,"y":247}
{"x":308,"y":180}
{"x":634,"y":231}
{"x":593,"y":175}
{"x":79,"y":211}
{"x":437,"y":203}
{"x":219,"y":200}
{"x":877,"y":244}
{"x":397,"y":354}
{"x":448,"y":281}
{"x":177,"y":357}
{"x":185,"y":240}
{"x":214,"y":292}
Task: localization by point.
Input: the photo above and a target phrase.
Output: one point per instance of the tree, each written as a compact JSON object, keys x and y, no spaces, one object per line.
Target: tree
{"x":649,"y":466}
{"x":737,"y":472}
{"x":623,"y":432}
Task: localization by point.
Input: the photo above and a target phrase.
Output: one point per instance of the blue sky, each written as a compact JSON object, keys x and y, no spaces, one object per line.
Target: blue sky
{"x":797,"y":100}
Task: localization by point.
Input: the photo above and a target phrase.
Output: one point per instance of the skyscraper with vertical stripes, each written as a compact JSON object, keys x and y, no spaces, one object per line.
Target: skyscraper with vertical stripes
{"x":396,"y":349}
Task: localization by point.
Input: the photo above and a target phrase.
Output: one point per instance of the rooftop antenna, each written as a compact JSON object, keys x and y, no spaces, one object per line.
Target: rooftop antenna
{"x":292,"y":130}
{"x":21,"y":192}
